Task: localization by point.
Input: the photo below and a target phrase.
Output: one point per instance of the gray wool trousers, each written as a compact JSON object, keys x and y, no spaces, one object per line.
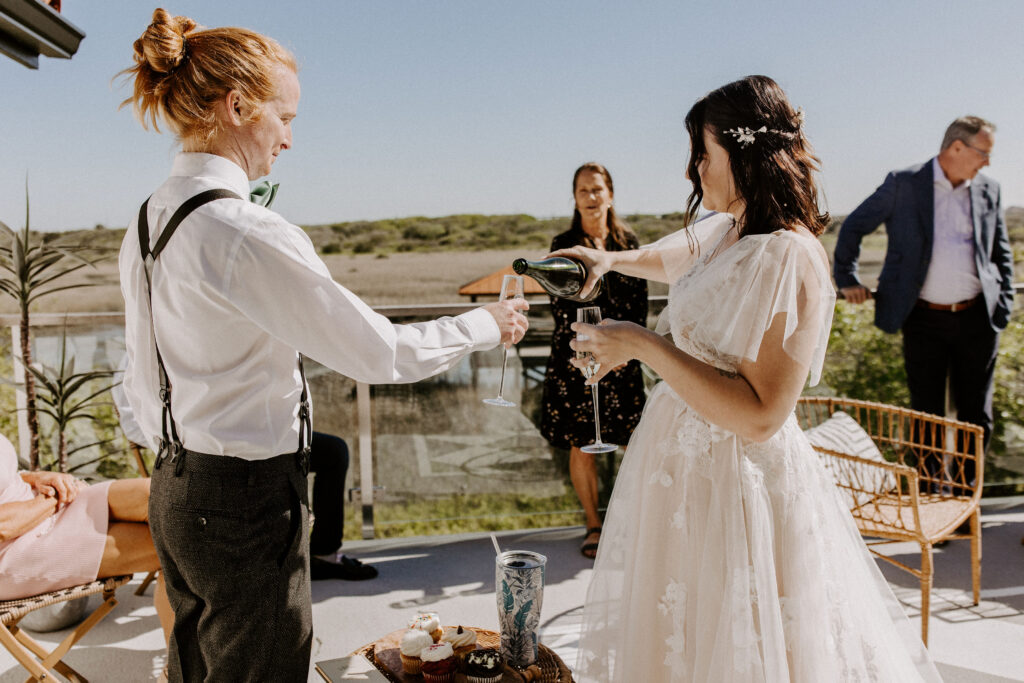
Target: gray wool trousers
{"x":232,"y":536}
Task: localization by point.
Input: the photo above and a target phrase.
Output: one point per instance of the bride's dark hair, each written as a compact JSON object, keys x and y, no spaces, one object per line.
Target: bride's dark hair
{"x":771,"y":161}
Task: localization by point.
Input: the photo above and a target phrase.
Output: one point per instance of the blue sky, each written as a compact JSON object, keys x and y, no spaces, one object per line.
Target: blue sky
{"x":431,"y":108}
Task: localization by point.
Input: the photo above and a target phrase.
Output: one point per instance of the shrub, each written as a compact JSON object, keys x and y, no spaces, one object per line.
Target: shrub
{"x":864,"y":362}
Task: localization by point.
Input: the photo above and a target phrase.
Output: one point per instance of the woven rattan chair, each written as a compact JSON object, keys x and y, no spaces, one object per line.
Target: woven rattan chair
{"x":30,"y":654}
{"x":927,"y":496}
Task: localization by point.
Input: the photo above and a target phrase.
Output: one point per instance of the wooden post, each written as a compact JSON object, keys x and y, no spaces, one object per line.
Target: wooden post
{"x":365,"y":425}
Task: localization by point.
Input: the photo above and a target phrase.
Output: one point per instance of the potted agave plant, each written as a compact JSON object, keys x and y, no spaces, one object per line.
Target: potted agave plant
{"x":30,"y":269}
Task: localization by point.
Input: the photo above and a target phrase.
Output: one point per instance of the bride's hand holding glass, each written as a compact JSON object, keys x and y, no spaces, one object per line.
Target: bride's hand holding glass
{"x":611,"y":345}
{"x":590,"y":363}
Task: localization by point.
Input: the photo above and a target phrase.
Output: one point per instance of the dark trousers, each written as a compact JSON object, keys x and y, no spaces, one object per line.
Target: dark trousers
{"x":328,"y":463}
{"x":232,"y":538}
{"x":962,"y":344}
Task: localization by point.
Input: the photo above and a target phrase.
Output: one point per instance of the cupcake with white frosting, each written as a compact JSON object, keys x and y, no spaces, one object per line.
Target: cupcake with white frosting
{"x":463,"y":640}
{"x":414,"y":642}
{"x":438,"y":663}
{"x":428,"y":622}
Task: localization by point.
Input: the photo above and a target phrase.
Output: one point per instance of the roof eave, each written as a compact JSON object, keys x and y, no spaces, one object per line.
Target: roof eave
{"x":29,"y":28}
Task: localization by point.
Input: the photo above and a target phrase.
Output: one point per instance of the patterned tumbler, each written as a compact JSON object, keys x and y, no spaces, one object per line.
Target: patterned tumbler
{"x":519,"y":584}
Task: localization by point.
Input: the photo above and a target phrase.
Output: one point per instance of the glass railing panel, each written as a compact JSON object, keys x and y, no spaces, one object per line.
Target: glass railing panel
{"x":89,"y":343}
{"x":444,"y":462}
{"x":865,"y":363}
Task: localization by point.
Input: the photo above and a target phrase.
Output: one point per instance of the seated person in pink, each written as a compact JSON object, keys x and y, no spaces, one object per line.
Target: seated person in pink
{"x":57,"y":531}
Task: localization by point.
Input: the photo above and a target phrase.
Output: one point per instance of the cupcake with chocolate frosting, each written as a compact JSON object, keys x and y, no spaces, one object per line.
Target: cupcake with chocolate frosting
{"x":483,"y":666}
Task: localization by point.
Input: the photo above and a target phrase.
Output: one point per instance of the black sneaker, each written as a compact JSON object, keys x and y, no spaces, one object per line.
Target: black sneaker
{"x":346,"y":569}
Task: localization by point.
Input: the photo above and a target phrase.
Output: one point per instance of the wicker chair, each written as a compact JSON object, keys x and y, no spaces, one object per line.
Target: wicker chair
{"x":30,"y":654}
{"x":928,"y":495}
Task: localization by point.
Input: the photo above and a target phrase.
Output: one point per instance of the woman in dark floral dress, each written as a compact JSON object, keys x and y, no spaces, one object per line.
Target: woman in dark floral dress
{"x":567,"y":418}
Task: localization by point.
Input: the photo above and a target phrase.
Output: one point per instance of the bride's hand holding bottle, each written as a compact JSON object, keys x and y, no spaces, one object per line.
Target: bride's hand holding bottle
{"x":596,"y":261}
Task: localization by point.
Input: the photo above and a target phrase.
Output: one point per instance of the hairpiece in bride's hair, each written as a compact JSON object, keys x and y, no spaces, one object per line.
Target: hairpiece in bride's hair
{"x":747,"y":136}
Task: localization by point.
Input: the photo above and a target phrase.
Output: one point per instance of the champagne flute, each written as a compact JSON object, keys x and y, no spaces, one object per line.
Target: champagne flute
{"x":591,"y":315}
{"x":511,"y":288}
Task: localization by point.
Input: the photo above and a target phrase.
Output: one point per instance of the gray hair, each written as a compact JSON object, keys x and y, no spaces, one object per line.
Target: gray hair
{"x":965,"y":128}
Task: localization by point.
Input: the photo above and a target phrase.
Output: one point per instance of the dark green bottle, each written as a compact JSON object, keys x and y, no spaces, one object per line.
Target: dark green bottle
{"x":559,"y":276}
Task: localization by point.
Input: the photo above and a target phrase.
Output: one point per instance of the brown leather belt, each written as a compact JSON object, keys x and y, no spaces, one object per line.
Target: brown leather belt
{"x":952,"y":308}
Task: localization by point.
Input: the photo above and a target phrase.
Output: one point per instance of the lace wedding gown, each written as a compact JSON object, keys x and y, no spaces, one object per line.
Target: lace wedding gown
{"x":728,"y":560}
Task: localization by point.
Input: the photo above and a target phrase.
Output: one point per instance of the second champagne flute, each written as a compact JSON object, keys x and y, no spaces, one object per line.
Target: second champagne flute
{"x":591,"y":315}
{"x":511,"y":288}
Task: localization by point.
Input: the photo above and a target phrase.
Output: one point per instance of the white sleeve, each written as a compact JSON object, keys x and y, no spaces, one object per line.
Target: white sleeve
{"x":277,"y":281}
{"x":132,"y":369}
{"x":125,"y":413}
{"x":681,"y":249}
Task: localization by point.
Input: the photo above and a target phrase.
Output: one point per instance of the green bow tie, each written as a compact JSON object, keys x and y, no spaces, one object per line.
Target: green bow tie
{"x":264,"y":193}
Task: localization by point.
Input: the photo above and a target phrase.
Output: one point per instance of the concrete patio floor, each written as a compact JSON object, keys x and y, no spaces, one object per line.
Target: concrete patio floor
{"x":454,"y":576}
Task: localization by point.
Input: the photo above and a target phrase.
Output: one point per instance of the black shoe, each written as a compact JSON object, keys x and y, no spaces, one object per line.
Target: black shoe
{"x":346,"y":569}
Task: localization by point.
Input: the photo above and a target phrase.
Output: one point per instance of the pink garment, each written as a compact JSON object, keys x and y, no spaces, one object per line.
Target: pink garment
{"x":62,"y":550}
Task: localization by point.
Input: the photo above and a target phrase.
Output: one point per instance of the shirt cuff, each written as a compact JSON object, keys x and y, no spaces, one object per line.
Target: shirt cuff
{"x":483,"y":326}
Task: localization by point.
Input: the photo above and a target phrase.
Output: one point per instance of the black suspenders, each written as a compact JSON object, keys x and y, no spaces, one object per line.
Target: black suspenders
{"x":171,"y":447}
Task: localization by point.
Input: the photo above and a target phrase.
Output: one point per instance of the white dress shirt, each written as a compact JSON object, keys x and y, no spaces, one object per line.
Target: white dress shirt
{"x":952,"y":274}
{"x":235,"y":293}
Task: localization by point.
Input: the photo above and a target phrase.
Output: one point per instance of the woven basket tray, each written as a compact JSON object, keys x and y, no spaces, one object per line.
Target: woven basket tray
{"x":385,"y":656}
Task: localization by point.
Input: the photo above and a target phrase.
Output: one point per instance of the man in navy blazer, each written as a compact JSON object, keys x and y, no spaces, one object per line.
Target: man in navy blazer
{"x":947,"y":280}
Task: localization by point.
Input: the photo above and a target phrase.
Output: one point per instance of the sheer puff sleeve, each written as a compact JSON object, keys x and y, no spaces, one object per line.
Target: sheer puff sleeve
{"x":728,"y":308}
{"x":681,"y":249}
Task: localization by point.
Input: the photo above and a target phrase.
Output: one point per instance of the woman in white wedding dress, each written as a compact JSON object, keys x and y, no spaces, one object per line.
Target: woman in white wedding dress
{"x":726,"y":554}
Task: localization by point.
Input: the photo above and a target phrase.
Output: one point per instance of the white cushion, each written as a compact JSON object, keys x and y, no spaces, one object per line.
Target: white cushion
{"x":841,"y":433}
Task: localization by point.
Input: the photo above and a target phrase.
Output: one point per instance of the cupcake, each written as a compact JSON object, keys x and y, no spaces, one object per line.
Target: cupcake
{"x":428,"y":622}
{"x":438,"y":663}
{"x":463,"y":641}
{"x":413,"y":643}
{"x":483,"y":666}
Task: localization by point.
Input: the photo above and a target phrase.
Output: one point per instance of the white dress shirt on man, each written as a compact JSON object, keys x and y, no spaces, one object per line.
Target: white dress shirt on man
{"x":236,"y":292}
{"x":952,"y":274}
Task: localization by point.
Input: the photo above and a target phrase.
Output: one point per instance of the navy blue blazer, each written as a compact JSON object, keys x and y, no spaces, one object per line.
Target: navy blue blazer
{"x":905,"y":202}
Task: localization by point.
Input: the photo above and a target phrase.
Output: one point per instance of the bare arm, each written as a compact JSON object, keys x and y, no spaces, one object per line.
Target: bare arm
{"x":642,"y":263}
{"x":17,"y":518}
{"x":662,"y":261}
{"x":753,"y":402}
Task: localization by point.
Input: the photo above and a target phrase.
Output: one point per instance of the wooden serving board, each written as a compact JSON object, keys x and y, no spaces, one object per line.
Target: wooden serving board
{"x":386,"y":656}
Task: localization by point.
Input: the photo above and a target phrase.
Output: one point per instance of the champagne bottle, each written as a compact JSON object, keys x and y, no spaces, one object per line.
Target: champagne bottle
{"x":559,"y":276}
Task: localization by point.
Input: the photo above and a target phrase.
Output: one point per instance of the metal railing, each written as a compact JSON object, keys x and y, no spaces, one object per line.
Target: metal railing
{"x":364,"y":401}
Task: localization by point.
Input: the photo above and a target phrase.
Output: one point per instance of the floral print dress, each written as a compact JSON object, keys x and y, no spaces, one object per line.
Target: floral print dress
{"x":567,"y":414}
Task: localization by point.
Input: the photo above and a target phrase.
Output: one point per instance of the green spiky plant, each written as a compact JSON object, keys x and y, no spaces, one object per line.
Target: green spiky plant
{"x":32,"y":269}
{"x":60,"y":398}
